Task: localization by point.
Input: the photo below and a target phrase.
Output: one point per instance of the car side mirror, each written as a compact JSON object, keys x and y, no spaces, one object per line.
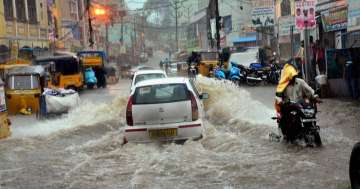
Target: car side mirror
{"x":204,"y":96}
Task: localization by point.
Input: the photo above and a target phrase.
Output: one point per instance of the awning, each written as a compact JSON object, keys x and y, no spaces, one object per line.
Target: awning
{"x":244,"y":39}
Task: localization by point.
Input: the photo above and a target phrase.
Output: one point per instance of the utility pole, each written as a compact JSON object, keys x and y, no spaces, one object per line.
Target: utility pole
{"x":176,"y":23}
{"x":122,"y":29}
{"x":107,"y":39}
{"x":217,"y":21}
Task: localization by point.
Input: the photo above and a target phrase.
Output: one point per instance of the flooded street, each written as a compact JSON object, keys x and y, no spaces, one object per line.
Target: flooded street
{"x":84,"y":148}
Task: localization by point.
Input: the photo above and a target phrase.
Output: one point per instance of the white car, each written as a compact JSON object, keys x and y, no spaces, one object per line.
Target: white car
{"x":173,"y":68}
{"x":168,"y":109}
{"x":143,"y":75}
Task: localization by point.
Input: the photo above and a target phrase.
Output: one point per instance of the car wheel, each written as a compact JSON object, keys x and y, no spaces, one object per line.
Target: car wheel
{"x":354,"y":167}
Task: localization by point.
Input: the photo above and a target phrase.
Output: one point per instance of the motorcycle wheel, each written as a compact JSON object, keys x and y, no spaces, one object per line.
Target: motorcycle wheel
{"x":354,"y":167}
{"x":317,"y":139}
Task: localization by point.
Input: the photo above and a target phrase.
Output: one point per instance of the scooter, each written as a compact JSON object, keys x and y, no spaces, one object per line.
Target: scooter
{"x":90,"y":78}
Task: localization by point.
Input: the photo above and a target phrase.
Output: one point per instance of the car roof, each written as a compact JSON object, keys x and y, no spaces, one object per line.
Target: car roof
{"x":141,"y":72}
{"x":169,"y":80}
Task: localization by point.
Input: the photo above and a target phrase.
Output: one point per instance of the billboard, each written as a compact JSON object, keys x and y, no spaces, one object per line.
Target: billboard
{"x":335,"y":19}
{"x":263,"y":13}
{"x":305,"y":14}
{"x":353,"y":15}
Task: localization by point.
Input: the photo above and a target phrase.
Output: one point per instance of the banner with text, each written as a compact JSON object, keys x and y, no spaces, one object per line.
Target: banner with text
{"x":263,"y":13}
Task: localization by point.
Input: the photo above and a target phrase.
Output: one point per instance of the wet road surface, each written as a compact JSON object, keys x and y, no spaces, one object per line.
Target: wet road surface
{"x":84,"y":148}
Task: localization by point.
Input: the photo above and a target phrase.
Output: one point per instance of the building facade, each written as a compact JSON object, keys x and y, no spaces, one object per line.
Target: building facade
{"x":23,"y":24}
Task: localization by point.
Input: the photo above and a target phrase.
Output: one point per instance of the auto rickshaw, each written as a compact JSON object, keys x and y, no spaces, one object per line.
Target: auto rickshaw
{"x":65,"y":71}
{"x":96,"y":61}
{"x":208,"y":61}
{"x":23,"y":89}
{"x":4,"y":120}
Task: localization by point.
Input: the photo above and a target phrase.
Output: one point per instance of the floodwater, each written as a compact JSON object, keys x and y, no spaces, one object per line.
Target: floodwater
{"x":84,"y":149}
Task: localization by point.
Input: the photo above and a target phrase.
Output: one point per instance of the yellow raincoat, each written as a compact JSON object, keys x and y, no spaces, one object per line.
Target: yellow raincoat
{"x":287,"y":74}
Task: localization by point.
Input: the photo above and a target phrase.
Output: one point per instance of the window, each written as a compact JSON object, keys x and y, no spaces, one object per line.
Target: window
{"x":147,"y":77}
{"x":8,"y":10}
{"x":209,"y":56}
{"x":20,"y":10}
{"x":165,"y":93}
{"x":23,"y":82}
{"x":32,"y":11}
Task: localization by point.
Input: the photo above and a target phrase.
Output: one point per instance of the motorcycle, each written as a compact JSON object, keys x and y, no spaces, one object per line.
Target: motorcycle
{"x":297,"y":121}
{"x":90,"y":78}
{"x":192,"y":70}
{"x":255,"y":74}
{"x":219,"y":73}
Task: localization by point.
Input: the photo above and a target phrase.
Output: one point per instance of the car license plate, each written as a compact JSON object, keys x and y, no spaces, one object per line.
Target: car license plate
{"x":157,"y":133}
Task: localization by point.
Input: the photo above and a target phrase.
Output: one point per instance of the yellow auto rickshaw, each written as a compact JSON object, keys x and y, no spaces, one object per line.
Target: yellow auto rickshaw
{"x":65,"y":71}
{"x":208,"y":61}
{"x":23,"y":89}
{"x":4,"y":120}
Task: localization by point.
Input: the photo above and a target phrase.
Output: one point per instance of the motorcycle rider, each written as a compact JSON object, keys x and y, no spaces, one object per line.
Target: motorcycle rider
{"x":290,"y":88}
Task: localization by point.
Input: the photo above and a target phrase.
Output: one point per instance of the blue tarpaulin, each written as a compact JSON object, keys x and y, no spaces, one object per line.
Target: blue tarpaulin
{"x":244,"y":39}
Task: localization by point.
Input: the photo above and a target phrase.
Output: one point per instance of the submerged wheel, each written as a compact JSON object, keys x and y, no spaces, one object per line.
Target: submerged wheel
{"x":354,"y":167}
{"x":317,"y":139}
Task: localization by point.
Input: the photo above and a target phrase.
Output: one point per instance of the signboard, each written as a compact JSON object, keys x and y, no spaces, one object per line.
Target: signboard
{"x":305,"y":14}
{"x":353,"y":15}
{"x":263,"y":13}
{"x":335,"y":19}
{"x":285,"y":24}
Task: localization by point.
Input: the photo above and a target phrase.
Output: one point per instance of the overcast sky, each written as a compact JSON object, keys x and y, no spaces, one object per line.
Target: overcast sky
{"x":134,"y":4}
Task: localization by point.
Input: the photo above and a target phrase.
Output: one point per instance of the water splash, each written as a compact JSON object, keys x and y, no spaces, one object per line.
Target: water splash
{"x":86,"y":114}
{"x":229,"y":104}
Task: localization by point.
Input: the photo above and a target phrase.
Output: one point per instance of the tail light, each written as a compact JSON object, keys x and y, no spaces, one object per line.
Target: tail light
{"x":129,"y":117}
{"x":194,"y":107}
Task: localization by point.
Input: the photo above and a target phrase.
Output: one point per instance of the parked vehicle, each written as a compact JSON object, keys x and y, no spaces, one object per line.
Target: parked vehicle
{"x":65,"y":71}
{"x":173,"y":69}
{"x":143,"y":75}
{"x":24,"y":86}
{"x":96,"y":60}
{"x":168,"y":109}
{"x":354,"y":167}
{"x":208,"y":61}
{"x":4,"y":120}
{"x":255,"y":74}
{"x":192,"y":70}
{"x":297,"y":121}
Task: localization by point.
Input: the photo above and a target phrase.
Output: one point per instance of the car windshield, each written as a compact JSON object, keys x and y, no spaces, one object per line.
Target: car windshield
{"x":164,"y":93}
{"x":145,"y":68}
{"x":143,"y":77}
